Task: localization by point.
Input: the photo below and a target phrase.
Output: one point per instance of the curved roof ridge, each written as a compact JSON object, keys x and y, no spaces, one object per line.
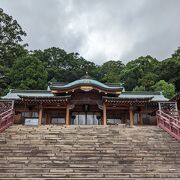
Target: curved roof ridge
{"x":86,"y":81}
{"x":91,"y":82}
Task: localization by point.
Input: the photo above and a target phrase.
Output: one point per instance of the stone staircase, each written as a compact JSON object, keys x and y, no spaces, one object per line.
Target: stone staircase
{"x":88,"y":152}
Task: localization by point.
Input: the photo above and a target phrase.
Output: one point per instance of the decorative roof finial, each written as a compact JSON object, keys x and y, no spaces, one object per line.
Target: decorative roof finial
{"x":86,"y":76}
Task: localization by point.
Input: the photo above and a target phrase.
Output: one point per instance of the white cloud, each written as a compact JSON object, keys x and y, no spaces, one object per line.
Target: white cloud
{"x":100,"y":30}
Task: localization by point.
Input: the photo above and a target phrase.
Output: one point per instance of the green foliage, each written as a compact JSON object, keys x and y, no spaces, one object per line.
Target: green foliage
{"x":65,"y":67}
{"x":11,"y":35}
{"x":28,"y":73}
{"x":4,"y":79}
{"x":111,"y":71}
{"x":139,"y":88}
{"x":148,"y":80}
{"x":137,"y":72}
{"x":167,"y":89}
{"x":169,"y":69}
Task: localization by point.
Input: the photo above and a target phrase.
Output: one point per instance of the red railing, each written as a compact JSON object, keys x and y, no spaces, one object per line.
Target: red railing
{"x":6,"y":119}
{"x":6,"y":114}
{"x":169,"y":122}
{"x":175,"y":114}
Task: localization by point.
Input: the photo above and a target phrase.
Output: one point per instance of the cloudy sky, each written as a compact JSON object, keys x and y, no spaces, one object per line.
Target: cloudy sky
{"x":100,"y":30}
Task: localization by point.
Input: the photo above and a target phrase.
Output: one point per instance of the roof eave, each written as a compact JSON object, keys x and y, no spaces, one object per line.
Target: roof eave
{"x":62,"y":88}
{"x":44,"y":97}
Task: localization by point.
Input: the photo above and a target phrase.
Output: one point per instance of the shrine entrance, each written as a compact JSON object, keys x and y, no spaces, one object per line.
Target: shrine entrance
{"x":86,"y":118}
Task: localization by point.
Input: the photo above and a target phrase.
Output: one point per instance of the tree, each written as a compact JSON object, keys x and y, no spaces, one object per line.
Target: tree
{"x":4,"y":79}
{"x":137,"y":72}
{"x":148,"y":80}
{"x":11,"y":35}
{"x":111,"y":71}
{"x":139,"y":88}
{"x":167,"y":89}
{"x":63,"y":66}
{"x":28,"y":73}
{"x":169,"y":69}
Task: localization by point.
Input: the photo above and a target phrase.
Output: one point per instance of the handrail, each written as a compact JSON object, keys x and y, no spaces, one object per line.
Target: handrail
{"x":7,"y":115}
{"x":6,"y":119}
{"x":169,"y":123}
{"x":167,"y":115}
{"x":5,"y":105}
{"x":6,"y":112}
{"x":175,"y":114}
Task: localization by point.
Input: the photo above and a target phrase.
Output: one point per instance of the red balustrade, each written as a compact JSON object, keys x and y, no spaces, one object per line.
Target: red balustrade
{"x":6,"y":114}
{"x":169,"y":122}
{"x":175,"y":114}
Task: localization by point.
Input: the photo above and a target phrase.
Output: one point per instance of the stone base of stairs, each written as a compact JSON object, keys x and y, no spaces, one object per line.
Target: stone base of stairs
{"x":88,"y":152}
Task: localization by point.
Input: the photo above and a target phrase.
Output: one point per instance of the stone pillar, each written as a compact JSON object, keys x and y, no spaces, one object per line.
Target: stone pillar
{"x":40,"y":115}
{"x":67,"y":115}
{"x":104,"y":115}
{"x":131,"y":116}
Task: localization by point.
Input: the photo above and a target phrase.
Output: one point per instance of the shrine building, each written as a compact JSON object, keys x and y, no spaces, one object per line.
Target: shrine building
{"x":84,"y":102}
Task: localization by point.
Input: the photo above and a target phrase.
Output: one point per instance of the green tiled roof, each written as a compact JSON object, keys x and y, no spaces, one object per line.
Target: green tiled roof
{"x":86,"y":82}
{"x":152,"y":96}
{"x":44,"y":97}
{"x":128,"y":99}
{"x":155,"y":96}
{"x":14,"y":94}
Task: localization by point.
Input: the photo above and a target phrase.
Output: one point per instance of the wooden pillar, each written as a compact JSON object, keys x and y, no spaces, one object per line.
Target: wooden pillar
{"x":40,"y":115}
{"x":31,"y":113}
{"x":46,"y":118}
{"x":67,"y":115}
{"x":131,"y":116}
{"x":104,"y":115}
{"x":140,"y":118}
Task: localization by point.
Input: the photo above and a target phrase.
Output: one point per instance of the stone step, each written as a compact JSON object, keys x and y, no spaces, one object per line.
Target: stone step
{"x":88,"y":152}
{"x":88,"y":175}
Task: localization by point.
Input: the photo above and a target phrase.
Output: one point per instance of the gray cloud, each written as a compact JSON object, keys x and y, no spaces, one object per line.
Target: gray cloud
{"x":100,"y":30}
